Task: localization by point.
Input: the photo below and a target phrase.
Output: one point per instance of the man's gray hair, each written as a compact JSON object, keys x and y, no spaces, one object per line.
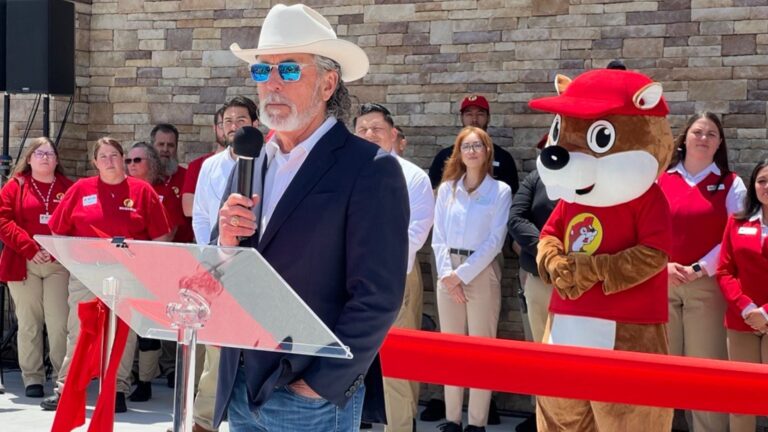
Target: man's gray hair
{"x":340,"y":103}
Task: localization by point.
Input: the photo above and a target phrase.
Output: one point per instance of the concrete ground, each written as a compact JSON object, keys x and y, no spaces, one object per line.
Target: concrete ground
{"x":20,"y":413}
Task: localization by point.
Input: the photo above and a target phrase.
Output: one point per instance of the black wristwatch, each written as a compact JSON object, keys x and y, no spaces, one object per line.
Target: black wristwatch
{"x":696,"y":268}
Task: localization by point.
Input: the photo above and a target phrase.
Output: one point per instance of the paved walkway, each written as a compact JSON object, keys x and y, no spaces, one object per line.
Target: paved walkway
{"x":23,"y":414}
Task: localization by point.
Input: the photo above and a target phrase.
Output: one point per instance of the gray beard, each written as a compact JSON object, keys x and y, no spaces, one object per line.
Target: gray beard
{"x":171,"y":166}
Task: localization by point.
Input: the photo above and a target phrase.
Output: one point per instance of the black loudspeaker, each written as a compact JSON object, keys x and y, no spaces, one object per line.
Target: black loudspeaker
{"x":40,"y":46}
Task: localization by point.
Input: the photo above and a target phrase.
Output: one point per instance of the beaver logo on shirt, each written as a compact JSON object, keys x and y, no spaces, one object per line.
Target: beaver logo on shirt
{"x":585,"y":233}
{"x":58,"y":197}
{"x":175,"y":191}
{"x":127,"y":205}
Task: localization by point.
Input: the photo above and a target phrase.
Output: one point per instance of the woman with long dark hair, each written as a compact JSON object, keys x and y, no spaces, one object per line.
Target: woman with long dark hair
{"x":37,"y":282}
{"x":471,"y":216}
{"x":742,"y":275}
{"x":702,"y":192}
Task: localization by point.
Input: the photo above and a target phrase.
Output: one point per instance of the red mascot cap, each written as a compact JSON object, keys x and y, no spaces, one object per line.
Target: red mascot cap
{"x":603,"y":92}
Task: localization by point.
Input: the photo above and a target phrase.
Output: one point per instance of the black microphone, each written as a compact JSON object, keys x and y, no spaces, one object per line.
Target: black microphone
{"x":247,"y":146}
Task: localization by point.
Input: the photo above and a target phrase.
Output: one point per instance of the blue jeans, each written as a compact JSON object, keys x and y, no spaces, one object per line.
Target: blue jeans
{"x":286,"y":411}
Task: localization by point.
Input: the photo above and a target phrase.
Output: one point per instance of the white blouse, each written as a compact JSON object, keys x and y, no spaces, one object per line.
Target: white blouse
{"x":476,"y":222}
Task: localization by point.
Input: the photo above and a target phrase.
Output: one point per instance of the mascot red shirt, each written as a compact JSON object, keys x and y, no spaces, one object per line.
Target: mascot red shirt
{"x":606,"y":245}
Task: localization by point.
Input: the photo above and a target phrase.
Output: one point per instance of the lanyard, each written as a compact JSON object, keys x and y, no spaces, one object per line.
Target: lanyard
{"x":46,"y":199}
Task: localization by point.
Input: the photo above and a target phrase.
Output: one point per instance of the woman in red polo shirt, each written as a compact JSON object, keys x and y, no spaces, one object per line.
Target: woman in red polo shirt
{"x":109,"y":204}
{"x":741,"y":274}
{"x":702,"y":193}
{"x":37,"y":282}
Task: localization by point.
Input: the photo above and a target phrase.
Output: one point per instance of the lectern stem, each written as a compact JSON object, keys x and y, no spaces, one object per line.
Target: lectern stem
{"x":185,"y":379}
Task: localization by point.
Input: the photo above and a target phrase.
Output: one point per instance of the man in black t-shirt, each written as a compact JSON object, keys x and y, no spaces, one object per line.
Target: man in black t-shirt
{"x":475,"y":111}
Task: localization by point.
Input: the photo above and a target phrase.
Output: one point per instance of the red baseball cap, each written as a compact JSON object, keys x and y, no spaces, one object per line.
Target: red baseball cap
{"x":474,"y":100}
{"x":603,"y":92}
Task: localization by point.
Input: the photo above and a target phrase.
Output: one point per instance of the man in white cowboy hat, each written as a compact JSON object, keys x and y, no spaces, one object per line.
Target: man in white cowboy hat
{"x":332,"y":220}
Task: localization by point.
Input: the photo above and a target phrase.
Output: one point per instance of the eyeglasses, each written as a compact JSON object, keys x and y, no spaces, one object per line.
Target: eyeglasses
{"x":39,"y":154}
{"x":135,"y":160}
{"x":288,"y":71}
{"x":475,"y":147}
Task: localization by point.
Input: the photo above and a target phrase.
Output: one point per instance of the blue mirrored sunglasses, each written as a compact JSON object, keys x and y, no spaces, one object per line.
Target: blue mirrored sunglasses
{"x":288,"y":71}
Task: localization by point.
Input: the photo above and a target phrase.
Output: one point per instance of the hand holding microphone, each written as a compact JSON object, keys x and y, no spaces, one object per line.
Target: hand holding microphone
{"x":236,"y":220}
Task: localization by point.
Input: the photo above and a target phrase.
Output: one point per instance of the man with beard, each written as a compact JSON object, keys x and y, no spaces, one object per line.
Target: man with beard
{"x":165,"y":139}
{"x":332,"y":222}
{"x":211,"y":182}
{"x":193,"y":169}
{"x":238,"y":112}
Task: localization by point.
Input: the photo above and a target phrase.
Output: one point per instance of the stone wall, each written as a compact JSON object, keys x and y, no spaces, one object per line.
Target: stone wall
{"x":142,"y":62}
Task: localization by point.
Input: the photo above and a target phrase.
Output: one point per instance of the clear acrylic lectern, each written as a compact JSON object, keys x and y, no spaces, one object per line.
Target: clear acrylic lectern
{"x":225,"y":296}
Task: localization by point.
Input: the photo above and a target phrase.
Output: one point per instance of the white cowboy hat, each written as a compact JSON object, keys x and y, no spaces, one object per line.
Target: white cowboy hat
{"x":301,"y":29}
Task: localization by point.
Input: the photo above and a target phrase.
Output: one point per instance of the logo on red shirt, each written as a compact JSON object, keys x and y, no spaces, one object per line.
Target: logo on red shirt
{"x":585,"y":233}
{"x":127,"y":205}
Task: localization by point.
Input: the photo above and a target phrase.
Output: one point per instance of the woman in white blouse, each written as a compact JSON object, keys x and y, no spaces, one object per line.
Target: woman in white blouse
{"x":471,"y":215}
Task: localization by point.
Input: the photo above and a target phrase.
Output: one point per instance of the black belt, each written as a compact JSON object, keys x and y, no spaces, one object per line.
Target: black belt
{"x":462,"y":252}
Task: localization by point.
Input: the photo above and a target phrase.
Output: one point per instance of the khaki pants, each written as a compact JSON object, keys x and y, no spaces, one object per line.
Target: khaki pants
{"x":400,"y":396}
{"x":41,"y":300}
{"x":79,"y":293}
{"x":751,"y":348}
{"x":478,"y":317}
{"x":696,"y":312}
{"x":537,"y":296}
{"x":205,"y":399}
{"x":149,"y":364}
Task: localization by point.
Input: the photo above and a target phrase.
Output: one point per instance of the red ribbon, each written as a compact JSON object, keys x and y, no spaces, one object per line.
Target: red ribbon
{"x":578,"y":373}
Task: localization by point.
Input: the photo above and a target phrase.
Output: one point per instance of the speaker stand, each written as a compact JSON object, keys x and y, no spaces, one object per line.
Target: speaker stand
{"x":47,"y":116}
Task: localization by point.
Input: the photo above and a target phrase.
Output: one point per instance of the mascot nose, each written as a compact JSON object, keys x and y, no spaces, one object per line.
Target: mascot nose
{"x":554,"y":157}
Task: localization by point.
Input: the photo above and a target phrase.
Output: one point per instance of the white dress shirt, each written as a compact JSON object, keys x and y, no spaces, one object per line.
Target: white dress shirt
{"x":734,"y":202}
{"x":282,"y":168}
{"x":208,"y":194}
{"x":476,"y":221}
{"x":421,"y":200}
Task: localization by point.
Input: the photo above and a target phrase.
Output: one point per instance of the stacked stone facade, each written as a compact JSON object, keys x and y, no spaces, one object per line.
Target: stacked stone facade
{"x":140,"y":62}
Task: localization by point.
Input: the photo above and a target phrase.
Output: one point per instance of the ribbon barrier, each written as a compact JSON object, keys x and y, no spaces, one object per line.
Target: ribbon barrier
{"x":577,"y":373}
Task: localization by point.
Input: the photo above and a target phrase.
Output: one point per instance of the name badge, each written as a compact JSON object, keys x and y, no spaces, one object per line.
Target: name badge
{"x":44,"y":218}
{"x":711,"y":188}
{"x":748,"y":230}
{"x":496,"y":164}
{"x":89,"y":200}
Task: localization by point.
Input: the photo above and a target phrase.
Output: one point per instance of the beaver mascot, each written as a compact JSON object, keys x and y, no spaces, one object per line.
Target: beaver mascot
{"x":605,"y":246}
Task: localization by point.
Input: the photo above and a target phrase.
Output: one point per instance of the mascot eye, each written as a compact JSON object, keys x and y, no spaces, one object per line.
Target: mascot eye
{"x":554,"y":131}
{"x":601,"y":136}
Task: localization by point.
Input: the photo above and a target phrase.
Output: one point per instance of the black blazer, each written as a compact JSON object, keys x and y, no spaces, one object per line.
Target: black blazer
{"x":339,"y":237}
{"x":529,"y":212}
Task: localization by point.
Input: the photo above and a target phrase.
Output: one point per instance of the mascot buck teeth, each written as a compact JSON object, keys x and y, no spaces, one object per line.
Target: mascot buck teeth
{"x":605,"y":246}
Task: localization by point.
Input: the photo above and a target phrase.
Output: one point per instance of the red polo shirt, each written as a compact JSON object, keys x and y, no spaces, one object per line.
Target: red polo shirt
{"x":128,"y":209}
{"x":609,"y":230}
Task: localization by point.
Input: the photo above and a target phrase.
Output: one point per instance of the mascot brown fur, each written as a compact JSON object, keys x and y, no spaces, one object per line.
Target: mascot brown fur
{"x":604,"y":249}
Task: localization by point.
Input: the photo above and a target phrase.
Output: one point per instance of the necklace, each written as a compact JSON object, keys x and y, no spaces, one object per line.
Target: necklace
{"x":46,"y":199}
